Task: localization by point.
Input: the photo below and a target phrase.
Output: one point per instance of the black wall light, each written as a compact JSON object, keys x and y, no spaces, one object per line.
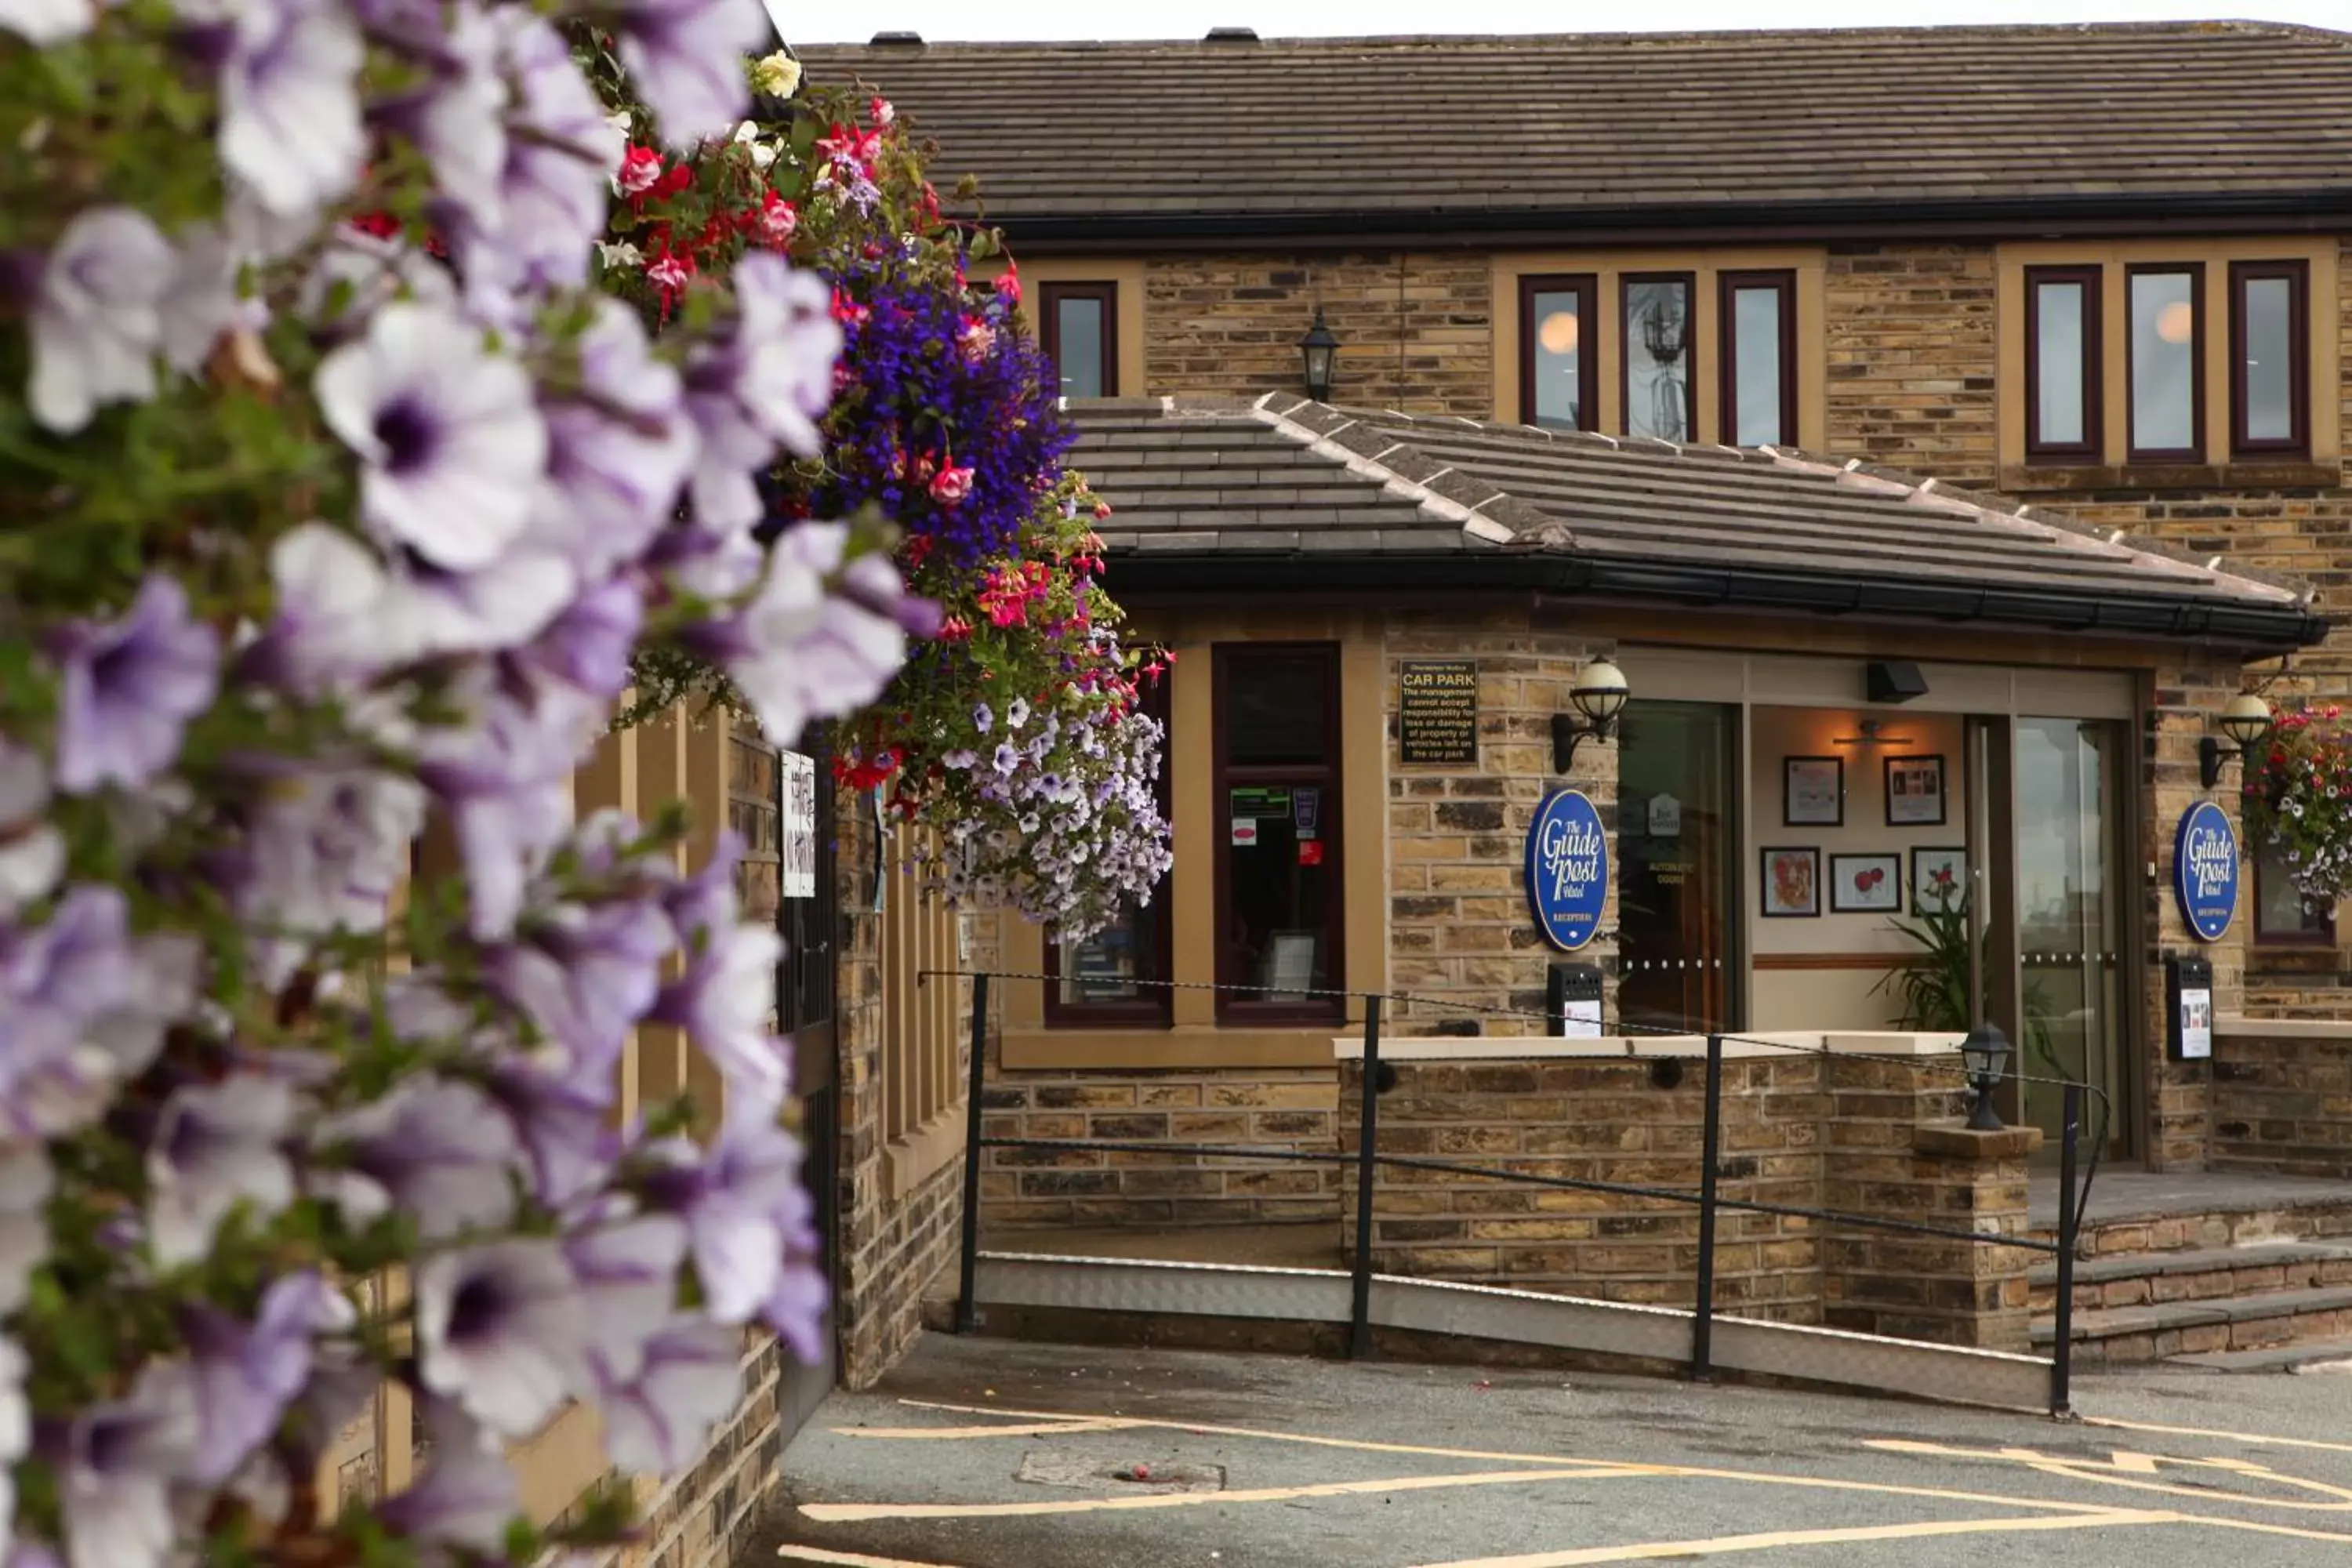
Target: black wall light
{"x":1600,"y":695}
{"x":2246,"y":720}
{"x":1321,"y":351}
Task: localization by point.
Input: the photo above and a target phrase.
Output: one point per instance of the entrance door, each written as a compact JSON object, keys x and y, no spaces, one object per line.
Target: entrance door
{"x":2070,"y":894}
{"x":1678,"y":835}
{"x":808,"y":916}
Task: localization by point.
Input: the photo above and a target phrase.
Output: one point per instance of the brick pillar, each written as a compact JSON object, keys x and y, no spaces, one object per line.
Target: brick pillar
{"x":1940,"y":1289}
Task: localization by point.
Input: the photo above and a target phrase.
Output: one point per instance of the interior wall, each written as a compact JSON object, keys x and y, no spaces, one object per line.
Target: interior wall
{"x":1819,"y":972}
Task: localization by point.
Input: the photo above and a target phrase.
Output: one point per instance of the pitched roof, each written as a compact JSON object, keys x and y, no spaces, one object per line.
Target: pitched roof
{"x":1067,"y":139}
{"x":1283,"y":491}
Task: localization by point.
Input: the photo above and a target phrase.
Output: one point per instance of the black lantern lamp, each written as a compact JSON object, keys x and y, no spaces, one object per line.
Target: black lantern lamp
{"x":1600,"y":695}
{"x":2246,"y":720}
{"x":1320,"y":350}
{"x":1986,"y":1052}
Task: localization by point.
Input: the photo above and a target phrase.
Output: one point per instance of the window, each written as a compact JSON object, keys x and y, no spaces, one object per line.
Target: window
{"x":2063,"y":364}
{"x":2268,"y":379}
{"x":2281,"y":917}
{"x":1079,"y":323}
{"x":1660,"y":396}
{"x":1759,"y":358}
{"x":1559,"y":353}
{"x":2166,"y":308}
{"x":1096,"y":981}
{"x":1276,"y":791}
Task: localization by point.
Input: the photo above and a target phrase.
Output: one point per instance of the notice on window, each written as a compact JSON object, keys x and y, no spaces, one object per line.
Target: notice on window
{"x":796,"y":804}
{"x":2196,"y":1024}
{"x":1437,"y":711}
{"x":1248,"y":805}
{"x":1244,"y":832}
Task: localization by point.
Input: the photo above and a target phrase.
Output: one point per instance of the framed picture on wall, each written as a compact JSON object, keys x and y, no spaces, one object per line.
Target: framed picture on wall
{"x":1865,"y":884}
{"x":1792,"y":883}
{"x":1915,"y":792}
{"x":1939,"y":880}
{"x":1815,"y":796}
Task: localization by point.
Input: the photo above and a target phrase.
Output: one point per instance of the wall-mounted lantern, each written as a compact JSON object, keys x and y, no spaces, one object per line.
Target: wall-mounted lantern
{"x":1600,"y":695}
{"x":2246,"y":720}
{"x":1320,"y":350}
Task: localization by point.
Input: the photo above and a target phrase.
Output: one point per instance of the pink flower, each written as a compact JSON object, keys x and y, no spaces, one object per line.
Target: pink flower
{"x":639,"y":171}
{"x":1102,"y":512}
{"x":978,"y":339}
{"x":950,"y":486}
{"x":778,"y":221}
{"x":881,"y":113}
{"x":671,"y":273}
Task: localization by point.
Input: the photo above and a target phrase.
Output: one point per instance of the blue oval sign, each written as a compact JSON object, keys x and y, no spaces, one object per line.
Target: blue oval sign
{"x":2205,"y":871}
{"x":1568,"y":870}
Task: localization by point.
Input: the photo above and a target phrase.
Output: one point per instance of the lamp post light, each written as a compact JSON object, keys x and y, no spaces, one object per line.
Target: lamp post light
{"x":1600,"y":695}
{"x":1984,"y":1051}
{"x":1321,"y":351}
{"x":2247,"y":720}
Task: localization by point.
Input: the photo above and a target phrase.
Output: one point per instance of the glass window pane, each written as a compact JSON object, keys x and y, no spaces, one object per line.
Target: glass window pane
{"x":1677,"y":842}
{"x":1106,"y":966}
{"x":2279,"y":908}
{"x":2270,"y":359}
{"x":2164,"y":362}
{"x":1278,"y":872}
{"x":2058,"y":364}
{"x":1558,"y":348}
{"x":1756,"y":400}
{"x":1078,"y":342}
{"x":1657,"y":360}
{"x":1275,"y":710}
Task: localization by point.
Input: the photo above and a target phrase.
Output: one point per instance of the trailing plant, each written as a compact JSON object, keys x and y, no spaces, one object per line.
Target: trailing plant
{"x":2298,"y":803}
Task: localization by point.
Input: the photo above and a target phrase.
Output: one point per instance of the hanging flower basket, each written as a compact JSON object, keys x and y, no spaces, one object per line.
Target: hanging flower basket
{"x":2298,"y":804}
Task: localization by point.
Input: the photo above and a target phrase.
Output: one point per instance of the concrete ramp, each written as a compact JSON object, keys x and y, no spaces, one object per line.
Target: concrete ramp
{"x":1831,"y":1356}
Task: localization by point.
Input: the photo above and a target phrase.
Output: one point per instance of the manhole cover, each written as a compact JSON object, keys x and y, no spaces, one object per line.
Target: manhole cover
{"x":1094,"y":1473}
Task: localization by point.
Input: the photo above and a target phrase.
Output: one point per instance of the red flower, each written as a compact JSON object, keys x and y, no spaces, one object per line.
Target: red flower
{"x":919,"y":549}
{"x":384,"y":226}
{"x":881,"y":113}
{"x":1008,"y":284}
{"x":776,"y":219}
{"x":846,"y":310}
{"x":950,"y":486}
{"x":641,"y":170}
{"x":955,"y":628}
{"x":1102,"y":514}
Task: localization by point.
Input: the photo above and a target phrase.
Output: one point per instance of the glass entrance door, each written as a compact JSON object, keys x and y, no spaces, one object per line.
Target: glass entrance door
{"x":1677,"y":837}
{"x":2070,"y":891}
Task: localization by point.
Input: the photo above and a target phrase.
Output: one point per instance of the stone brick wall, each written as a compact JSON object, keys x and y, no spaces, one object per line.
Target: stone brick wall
{"x":1913,"y":352}
{"x":2282,"y":1103}
{"x":1458,"y":923}
{"x":1270,"y":1109}
{"x":706,"y":1516}
{"x":1416,"y":328}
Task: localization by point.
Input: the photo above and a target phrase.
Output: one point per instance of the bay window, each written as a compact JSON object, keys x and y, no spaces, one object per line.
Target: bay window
{"x":1278,"y":826}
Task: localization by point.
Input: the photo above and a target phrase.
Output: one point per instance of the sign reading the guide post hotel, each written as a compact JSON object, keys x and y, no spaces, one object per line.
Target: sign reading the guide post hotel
{"x":1437,"y":711}
{"x":1568,"y":870}
{"x":2205,"y":871}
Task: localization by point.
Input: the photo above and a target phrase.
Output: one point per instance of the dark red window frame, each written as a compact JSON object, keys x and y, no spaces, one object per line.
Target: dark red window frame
{"x":1049,"y":326}
{"x":1730,"y":287}
{"x":1156,"y":1007}
{"x":2297,"y":276}
{"x":2195,"y":451}
{"x":1233,"y":1007}
{"x":1586,"y":286}
{"x":1626,"y":285}
{"x":2092,"y":445}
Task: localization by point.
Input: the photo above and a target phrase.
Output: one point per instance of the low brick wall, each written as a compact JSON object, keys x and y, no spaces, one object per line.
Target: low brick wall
{"x":2283,"y":1097}
{"x":1280,"y":1109}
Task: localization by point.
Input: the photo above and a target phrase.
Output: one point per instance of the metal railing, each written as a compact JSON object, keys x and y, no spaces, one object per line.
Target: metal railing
{"x":1709,"y":1201}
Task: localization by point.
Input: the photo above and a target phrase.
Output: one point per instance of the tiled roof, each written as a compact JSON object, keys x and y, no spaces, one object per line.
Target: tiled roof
{"x":1066,"y":135}
{"x":1251,"y":484}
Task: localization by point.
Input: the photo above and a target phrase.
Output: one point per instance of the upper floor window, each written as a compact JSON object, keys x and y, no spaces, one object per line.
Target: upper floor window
{"x":1277,"y":804}
{"x":1758,"y":317}
{"x":1558,"y":357}
{"x":2165,"y":306}
{"x":2268,"y":379}
{"x":2063,"y":363}
{"x":1079,"y":323}
{"x":1659,"y":396}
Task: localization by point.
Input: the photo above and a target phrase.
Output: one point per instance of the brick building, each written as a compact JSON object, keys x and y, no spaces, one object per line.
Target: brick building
{"x":2091,"y":277}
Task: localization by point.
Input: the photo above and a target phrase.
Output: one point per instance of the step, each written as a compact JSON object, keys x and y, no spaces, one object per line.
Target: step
{"x":2300,"y":1216}
{"x":2153,"y":1279}
{"x":2154,"y":1333}
{"x":2311,"y":1355}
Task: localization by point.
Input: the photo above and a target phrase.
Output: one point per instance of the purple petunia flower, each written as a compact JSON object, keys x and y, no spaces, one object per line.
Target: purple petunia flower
{"x":247,"y":1375}
{"x":129,"y":687}
{"x":42,"y":23}
{"x":468,"y":1498}
{"x":82,"y":1007}
{"x":98,"y":324}
{"x":586,"y":973}
{"x":502,"y":1331}
{"x":323,"y":854}
{"x":454,"y":445}
{"x":658,"y":1421}
{"x":32,"y":851}
{"x":762,"y":381}
{"x":628,"y":1279}
{"x":25,"y":1183}
{"x":289,"y":124}
{"x":982,"y":718}
{"x":800,"y":651}
{"x":745,"y":1207}
{"x":114,"y":1465}
{"x":1006,"y":760}
{"x":687,"y":58}
{"x":618,"y":457}
{"x":437,"y":1149}
{"x":563,"y":1123}
{"x":216,"y":1146}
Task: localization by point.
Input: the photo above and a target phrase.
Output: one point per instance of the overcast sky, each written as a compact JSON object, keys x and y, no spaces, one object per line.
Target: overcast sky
{"x":806,"y":23}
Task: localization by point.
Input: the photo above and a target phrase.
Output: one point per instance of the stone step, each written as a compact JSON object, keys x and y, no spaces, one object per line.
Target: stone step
{"x":2247,"y":1223}
{"x":2112,"y":1336}
{"x":2311,"y":1355}
{"x":2202,"y":1274}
